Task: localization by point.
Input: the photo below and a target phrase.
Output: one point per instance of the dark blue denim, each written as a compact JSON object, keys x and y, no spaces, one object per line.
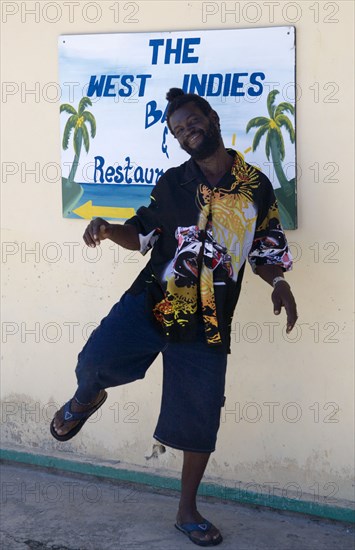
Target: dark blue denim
{"x":124,"y":346}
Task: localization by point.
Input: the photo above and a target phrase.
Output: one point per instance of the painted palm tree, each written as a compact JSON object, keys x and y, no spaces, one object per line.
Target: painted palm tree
{"x":274,"y":145}
{"x":77,"y":121}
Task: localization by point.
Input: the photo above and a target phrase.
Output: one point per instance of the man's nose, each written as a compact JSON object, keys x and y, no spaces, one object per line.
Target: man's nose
{"x":190,"y":130}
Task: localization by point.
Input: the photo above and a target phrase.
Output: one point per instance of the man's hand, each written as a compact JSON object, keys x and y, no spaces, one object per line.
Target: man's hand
{"x":123,"y":235}
{"x":283,"y":297}
{"x":97,"y":230}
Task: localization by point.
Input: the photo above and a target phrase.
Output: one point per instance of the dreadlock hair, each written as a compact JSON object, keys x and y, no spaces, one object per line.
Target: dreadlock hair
{"x":177,"y":98}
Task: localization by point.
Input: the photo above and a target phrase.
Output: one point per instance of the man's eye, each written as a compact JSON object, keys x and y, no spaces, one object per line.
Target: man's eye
{"x":178,"y":132}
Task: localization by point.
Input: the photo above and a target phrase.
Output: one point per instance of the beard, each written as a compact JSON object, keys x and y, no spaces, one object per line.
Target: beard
{"x":208,"y":145}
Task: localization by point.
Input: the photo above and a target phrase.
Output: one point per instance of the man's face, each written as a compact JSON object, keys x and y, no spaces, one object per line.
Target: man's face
{"x":197,"y":134}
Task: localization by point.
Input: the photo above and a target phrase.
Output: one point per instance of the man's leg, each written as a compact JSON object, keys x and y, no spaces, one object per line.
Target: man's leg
{"x":192,"y":472}
{"x":193,"y":394}
{"x":118,"y":352}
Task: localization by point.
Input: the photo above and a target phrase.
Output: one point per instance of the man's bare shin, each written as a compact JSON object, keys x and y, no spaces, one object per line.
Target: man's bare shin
{"x":192,"y":472}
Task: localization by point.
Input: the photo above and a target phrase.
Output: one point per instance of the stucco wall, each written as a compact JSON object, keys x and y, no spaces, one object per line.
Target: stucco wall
{"x":289,"y":412}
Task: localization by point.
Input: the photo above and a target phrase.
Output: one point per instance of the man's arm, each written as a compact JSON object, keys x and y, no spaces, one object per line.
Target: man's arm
{"x":124,"y":235}
{"x":282,"y":295}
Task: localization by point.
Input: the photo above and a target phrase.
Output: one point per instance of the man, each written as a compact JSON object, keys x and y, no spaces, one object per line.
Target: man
{"x":205,"y":219}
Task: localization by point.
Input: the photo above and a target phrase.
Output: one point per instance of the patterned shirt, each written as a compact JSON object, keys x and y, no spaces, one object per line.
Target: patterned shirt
{"x":201,"y":236}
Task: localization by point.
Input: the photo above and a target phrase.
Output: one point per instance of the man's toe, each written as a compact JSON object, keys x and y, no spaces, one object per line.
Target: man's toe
{"x":213,"y":535}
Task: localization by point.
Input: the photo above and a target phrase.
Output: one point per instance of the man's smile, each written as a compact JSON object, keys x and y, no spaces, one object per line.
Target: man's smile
{"x":195,"y":138}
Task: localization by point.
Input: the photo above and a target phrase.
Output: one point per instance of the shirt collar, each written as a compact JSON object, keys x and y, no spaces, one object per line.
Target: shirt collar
{"x":193,"y":172}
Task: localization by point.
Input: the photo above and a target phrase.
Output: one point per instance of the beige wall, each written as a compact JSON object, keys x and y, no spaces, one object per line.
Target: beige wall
{"x":306,"y":379}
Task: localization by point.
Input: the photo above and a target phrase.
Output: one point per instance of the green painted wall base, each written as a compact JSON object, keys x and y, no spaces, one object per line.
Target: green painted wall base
{"x":318,"y":509}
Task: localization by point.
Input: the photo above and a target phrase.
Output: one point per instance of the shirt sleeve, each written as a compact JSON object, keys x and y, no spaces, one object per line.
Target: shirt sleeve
{"x":269,"y":244}
{"x":146,"y":221}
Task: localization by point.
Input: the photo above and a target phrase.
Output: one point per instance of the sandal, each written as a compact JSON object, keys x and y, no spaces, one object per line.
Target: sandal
{"x":188,"y":528}
{"x":72,"y":416}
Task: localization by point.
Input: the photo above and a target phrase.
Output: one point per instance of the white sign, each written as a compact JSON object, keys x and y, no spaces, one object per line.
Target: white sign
{"x":115,"y":140}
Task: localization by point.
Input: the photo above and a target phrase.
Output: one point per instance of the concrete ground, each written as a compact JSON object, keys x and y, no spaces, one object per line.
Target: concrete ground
{"x":54,"y":511}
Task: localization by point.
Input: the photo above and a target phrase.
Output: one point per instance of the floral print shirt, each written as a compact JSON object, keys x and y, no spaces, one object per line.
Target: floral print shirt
{"x":201,"y":236}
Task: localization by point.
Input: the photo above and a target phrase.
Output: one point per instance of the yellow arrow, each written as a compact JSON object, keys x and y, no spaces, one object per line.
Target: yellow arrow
{"x":89,"y":211}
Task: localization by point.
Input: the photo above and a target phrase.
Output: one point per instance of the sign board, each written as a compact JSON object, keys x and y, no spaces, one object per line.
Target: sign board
{"x":115,"y":140}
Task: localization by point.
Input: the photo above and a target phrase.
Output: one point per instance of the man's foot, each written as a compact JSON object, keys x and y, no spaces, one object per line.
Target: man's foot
{"x":72,"y":416}
{"x":205,"y":533}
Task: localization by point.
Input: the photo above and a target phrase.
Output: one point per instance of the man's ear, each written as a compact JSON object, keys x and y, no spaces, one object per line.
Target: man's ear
{"x":215,"y":118}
